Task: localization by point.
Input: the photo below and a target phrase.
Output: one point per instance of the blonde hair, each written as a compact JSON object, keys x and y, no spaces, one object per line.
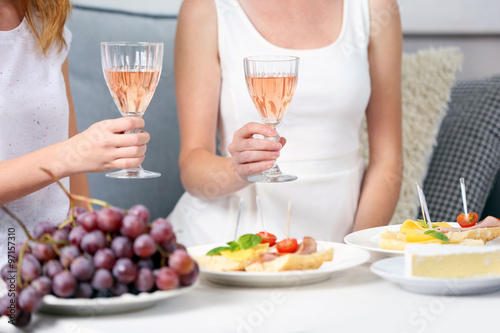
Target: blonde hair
{"x":53,"y":15}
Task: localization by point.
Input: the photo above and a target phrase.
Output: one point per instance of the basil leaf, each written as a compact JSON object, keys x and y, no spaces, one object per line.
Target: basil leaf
{"x":217,"y":250}
{"x":248,"y":241}
{"x":437,"y":234}
{"x":424,"y":224}
{"x":233,"y":246}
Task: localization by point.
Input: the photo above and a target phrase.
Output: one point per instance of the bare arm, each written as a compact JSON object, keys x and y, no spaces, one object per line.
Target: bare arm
{"x":198,"y":81}
{"x":382,"y":181}
{"x":78,"y":183}
{"x":101,"y":147}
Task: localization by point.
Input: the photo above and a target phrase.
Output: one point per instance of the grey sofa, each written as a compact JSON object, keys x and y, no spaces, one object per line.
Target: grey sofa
{"x":93,"y":103}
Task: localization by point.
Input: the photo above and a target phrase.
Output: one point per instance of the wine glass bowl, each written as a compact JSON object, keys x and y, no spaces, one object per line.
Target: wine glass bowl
{"x":132,"y":71}
{"x":271,"y":82}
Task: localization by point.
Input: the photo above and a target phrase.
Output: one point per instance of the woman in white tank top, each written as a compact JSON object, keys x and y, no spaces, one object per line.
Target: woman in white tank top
{"x":350,"y":58}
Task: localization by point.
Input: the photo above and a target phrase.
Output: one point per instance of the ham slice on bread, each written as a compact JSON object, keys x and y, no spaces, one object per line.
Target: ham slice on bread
{"x":306,"y":257}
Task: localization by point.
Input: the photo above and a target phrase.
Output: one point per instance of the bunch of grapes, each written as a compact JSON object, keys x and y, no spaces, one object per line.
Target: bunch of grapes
{"x":95,"y":253}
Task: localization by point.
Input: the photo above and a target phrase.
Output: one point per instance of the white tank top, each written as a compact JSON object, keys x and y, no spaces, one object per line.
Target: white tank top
{"x":34,"y":113}
{"x":322,"y":128}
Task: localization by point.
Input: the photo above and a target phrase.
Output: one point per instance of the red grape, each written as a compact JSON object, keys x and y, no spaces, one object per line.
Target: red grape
{"x":68,"y":254}
{"x":102,"y":279}
{"x":83,"y":290}
{"x":61,"y":236}
{"x":44,"y":252}
{"x":30,"y":268}
{"x":190,"y":278}
{"x":22,"y":318}
{"x":6,"y":269}
{"x":43,"y":285}
{"x":161,"y":221}
{"x":108,"y":219}
{"x":132,"y":226}
{"x":76,"y":235}
{"x":64,"y":284}
{"x":167,"y":279}
{"x":104,"y":258}
{"x":144,"y":246}
{"x":122,"y":247}
{"x":145,"y":280}
{"x":161,"y":233}
{"x":181,"y":262}
{"x":88,"y":220}
{"x":125,"y":270}
{"x":82,"y":268}
{"x":93,"y":241}
{"x":119,"y":289}
{"x":52,"y":267}
{"x":141,"y":211}
{"x":44,"y":227}
{"x":29,"y":299}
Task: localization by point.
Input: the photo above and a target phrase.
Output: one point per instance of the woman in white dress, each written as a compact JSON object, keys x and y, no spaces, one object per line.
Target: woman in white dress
{"x":37,"y":119}
{"x":350,"y":59}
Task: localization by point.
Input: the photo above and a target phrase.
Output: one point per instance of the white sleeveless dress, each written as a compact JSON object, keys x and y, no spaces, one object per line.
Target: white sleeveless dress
{"x":34,"y":113}
{"x":322,"y":128}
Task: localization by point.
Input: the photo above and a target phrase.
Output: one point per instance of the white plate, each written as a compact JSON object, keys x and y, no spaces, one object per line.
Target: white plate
{"x":368,"y":239}
{"x":344,"y":257}
{"x":392,"y":269}
{"x":97,"y":306}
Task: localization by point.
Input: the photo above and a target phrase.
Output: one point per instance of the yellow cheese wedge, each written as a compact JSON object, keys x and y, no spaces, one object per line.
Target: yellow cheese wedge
{"x":242,"y":255}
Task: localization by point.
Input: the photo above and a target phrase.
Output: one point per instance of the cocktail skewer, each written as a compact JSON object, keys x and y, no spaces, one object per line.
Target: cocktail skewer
{"x":288,"y":218}
{"x":423,"y":206}
{"x":259,"y":209}
{"x":240,"y":209}
{"x":464,"y":199}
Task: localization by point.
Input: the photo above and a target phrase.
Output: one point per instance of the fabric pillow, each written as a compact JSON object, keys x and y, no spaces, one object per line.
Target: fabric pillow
{"x":468,"y":146}
{"x":427,"y":78}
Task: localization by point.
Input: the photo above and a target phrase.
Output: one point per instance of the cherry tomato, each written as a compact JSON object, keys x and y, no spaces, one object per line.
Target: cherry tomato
{"x":267,"y":237}
{"x":288,"y":245}
{"x":465,"y":223}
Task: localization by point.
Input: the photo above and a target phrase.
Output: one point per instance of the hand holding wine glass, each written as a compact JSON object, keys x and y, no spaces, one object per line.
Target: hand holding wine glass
{"x":271,"y":82}
{"x":132,"y":72}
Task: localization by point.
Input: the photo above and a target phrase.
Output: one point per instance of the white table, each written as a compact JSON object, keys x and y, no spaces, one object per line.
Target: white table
{"x":353,"y":300}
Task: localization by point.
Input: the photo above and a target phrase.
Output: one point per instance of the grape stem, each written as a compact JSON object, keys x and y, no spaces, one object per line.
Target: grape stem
{"x":20,"y":264}
{"x":18,"y":220}
{"x":73,"y":197}
{"x":164,"y":255}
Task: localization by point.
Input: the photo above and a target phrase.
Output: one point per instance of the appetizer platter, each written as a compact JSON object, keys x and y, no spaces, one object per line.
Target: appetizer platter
{"x":344,"y":257}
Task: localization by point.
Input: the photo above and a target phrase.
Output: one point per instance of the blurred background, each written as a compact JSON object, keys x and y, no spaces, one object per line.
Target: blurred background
{"x":471,"y":25}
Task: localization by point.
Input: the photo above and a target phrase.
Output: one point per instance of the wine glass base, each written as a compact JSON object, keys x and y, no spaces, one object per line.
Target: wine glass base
{"x":280,"y":178}
{"x":133,"y":174}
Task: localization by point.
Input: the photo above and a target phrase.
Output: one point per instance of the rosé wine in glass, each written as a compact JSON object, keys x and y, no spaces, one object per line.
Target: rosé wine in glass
{"x":132,"y":72}
{"x":271,"y":82}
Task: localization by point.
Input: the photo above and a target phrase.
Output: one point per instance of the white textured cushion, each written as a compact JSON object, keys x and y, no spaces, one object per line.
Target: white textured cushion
{"x":427,"y":78}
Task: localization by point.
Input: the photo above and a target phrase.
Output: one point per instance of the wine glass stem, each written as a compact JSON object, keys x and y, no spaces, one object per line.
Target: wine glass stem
{"x":139,"y":167}
{"x":275,"y":170}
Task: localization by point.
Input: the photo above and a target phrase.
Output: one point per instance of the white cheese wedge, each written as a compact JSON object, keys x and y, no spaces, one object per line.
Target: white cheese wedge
{"x":451,"y":261}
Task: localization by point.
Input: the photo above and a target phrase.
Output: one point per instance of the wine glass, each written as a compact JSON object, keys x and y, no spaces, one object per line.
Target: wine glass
{"x":271,"y":82}
{"x":132,"y":72}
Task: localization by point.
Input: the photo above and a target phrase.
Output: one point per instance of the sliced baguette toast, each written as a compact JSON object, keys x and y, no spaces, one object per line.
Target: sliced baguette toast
{"x":289,"y":262}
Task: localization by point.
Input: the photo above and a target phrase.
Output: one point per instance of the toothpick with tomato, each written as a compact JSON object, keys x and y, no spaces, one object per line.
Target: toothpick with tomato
{"x":287,"y":245}
{"x":267,"y":237}
{"x":466,"y":219}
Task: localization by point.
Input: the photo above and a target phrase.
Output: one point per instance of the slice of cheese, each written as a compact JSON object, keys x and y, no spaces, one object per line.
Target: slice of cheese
{"x":243,"y":255}
{"x":451,"y":261}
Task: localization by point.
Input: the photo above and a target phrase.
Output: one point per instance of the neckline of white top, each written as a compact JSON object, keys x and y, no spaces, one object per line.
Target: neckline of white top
{"x":254,"y":30}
